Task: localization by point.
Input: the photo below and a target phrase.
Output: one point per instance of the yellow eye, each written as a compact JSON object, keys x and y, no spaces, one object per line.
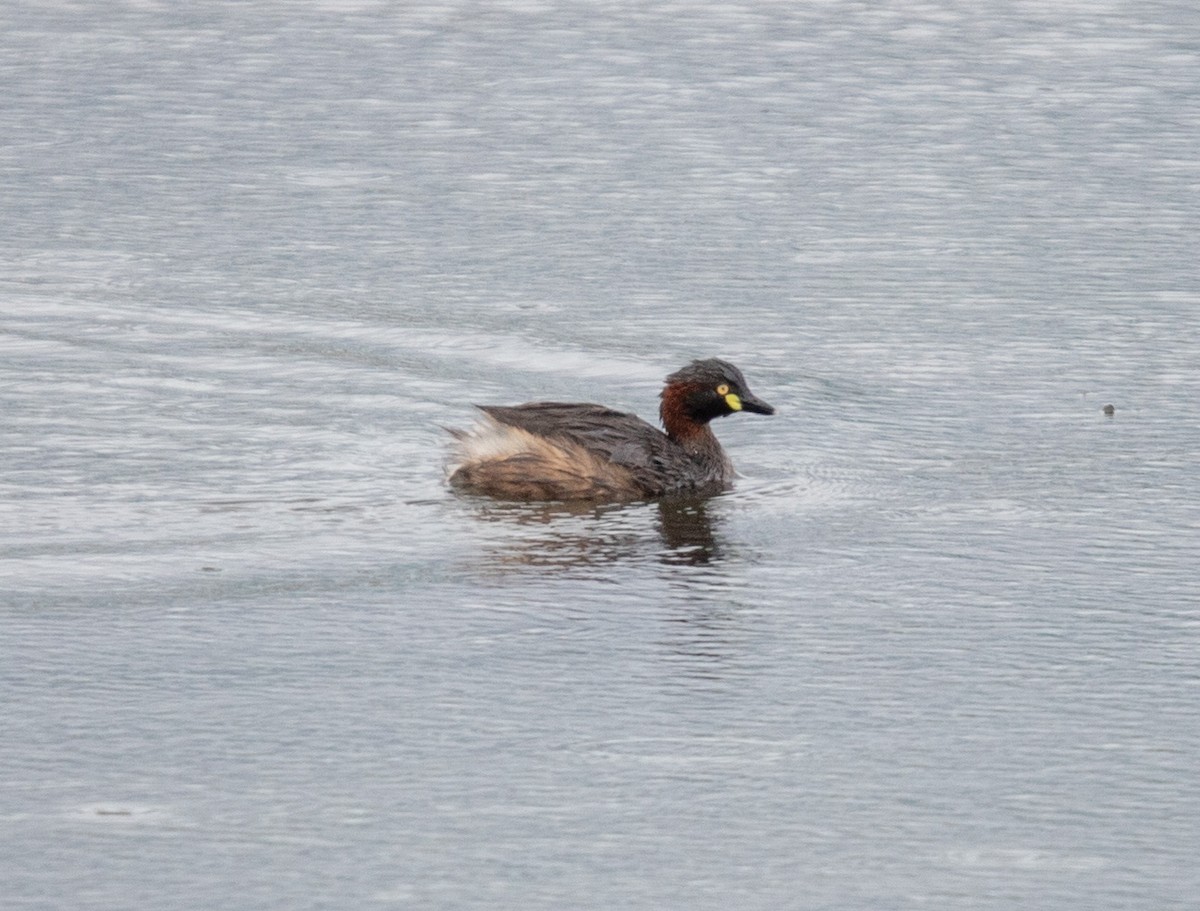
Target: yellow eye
{"x":722,"y":389}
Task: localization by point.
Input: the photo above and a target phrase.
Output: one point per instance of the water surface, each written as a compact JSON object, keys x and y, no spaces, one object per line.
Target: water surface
{"x":937,"y":649}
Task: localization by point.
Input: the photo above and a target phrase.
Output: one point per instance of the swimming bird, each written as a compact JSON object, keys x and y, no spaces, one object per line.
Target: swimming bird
{"x":568,"y":451}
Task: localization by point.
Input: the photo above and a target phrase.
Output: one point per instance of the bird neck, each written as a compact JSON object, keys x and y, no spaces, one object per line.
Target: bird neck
{"x":677,"y":420}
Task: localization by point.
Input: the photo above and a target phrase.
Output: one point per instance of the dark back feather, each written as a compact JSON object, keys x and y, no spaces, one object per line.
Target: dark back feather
{"x":619,"y":437}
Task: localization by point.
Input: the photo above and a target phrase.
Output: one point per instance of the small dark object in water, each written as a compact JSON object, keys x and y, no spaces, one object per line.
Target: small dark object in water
{"x":1109,"y":410}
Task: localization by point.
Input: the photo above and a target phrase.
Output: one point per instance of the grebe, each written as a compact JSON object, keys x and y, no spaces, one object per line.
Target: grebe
{"x":560,"y":451}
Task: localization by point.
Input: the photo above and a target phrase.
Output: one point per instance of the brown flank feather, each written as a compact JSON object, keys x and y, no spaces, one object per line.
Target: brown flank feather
{"x":514,"y":464}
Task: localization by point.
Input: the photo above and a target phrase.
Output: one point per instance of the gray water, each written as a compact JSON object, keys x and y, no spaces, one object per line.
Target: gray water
{"x":937,"y":649}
